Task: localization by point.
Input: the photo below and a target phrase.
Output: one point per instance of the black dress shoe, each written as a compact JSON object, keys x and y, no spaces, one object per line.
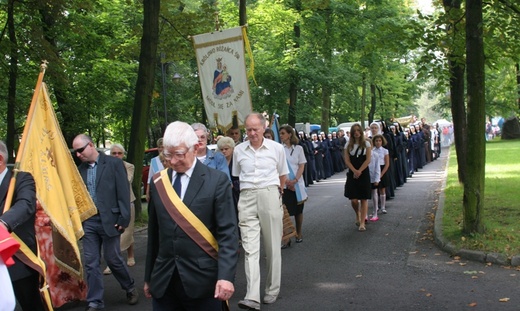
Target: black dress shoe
{"x":132,"y":297}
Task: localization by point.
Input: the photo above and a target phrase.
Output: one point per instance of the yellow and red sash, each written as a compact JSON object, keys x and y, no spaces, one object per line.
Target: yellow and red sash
{"x":183,"y":216}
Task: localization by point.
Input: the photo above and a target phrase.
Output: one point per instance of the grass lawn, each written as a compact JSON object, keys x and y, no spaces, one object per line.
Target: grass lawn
{"x":501,"y":215}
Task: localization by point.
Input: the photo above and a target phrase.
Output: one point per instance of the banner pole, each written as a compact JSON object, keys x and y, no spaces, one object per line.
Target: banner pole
{"x":16,"y":167}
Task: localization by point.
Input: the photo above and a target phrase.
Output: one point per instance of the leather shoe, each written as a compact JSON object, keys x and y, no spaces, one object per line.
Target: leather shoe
{"x":132,"y":297}
{"x":269,"y":299}
{"x":248,"y":304}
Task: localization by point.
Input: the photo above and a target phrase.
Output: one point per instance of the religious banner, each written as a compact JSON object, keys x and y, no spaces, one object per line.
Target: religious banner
{"x":60,"y":190}
{"x":223,"y":77}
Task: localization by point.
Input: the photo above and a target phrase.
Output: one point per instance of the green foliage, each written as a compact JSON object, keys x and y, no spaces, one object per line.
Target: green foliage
{"x":93,"y":51}
{"x":501,"y":37}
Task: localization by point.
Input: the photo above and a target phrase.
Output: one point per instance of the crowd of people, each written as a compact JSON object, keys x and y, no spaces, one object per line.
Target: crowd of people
{"x":204,"y":204}
{"x":382,"y":158}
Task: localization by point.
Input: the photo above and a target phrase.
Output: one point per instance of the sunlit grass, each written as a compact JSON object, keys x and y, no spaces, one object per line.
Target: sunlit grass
{"x":501,"y":215}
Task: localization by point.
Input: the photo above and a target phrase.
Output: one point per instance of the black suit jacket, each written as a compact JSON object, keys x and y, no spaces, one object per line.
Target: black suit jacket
{"x":112,"y":192}
{"x":20,"y":217}
{"x":209,"y":197}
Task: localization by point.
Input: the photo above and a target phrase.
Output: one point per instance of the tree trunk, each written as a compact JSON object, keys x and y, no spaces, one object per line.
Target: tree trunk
{"x":326,"y":86}
{"x":242,"y":13}
{"x":143,"y":92}
{"x":517,"y":66}
{"x":293,"y":95}
{"x":293,"y":87}
{"x":382,"y":103}
{"x":373,"y":102}
{"x":458,"y":112}
{"x":457,"y":90}
{"x":325,"y":110}
{"x":13,"y":76}
{"x":473,"y":200}
{"x":363,"y":100}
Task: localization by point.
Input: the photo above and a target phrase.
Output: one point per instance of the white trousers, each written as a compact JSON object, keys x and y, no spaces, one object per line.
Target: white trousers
{"x":260,"y":213}
{"x":7,"y":300}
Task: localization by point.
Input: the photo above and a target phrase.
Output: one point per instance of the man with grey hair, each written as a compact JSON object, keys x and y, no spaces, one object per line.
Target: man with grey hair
{"x":192,"y":231}
{"x":211,"y":158}
{"x":107,"y":183}
{"x":20,"y":220}
{"x":262,"y":169}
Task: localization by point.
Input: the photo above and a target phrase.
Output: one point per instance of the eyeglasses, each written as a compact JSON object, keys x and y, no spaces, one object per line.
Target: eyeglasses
{"x":117,"y":153}
{"x":80,"y":150}
{"x":176,"y":155}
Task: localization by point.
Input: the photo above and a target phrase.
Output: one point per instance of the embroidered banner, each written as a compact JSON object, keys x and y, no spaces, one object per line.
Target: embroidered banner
{"x":59,"y":187}
{"x":223,"y":77}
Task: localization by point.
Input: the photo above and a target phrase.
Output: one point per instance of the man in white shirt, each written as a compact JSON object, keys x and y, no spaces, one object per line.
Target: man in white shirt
{"x":261,"y":167}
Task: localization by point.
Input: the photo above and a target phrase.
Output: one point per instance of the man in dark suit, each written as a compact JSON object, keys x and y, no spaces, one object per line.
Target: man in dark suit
{"x":179,"y":274}
{"x":20,"y":220}
{"x":107,"y":183}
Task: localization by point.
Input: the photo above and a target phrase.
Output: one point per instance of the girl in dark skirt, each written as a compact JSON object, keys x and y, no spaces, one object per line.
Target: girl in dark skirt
{"x":384,"y":160}
{"x":358,"y":186}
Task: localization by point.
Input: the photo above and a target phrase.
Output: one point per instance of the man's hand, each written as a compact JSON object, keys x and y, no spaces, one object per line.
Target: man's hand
{"x":146,"y":289}
{"x":224,"y":290}
{"x":119,"y":228}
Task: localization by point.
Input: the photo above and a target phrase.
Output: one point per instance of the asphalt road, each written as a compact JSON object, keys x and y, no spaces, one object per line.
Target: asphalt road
{"x":394,"y":265}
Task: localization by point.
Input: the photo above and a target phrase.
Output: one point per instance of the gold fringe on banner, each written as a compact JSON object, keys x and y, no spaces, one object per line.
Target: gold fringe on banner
{"x":251,"y":71}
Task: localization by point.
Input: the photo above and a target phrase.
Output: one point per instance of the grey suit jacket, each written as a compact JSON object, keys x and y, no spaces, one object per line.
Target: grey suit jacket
{"x":209,"y":197}
{"x":112,"y":192}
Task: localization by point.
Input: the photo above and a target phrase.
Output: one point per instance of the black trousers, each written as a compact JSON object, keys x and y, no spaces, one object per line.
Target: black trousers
{"x":176,"y":299}
{"x":27,"y":292}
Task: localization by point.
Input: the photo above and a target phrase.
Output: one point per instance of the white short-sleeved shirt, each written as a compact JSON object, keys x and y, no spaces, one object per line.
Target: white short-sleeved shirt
{"x":295,"y":156}
{"x":381,"y":152}
{"x":356,"y":146}
{"x":374,"y":168}
{"x":259,"y":168}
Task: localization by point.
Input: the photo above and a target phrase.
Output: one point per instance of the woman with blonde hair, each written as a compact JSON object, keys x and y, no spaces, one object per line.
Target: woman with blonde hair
{"x":358,"y":187}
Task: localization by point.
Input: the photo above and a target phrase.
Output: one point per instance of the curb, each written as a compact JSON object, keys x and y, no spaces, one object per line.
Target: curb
{"x":448,"y":247}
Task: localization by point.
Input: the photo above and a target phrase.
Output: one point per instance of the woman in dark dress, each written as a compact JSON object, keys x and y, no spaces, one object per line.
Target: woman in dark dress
{"x":318,"y":157}
{"x":327,"y":159}
{"x":358,"y":187}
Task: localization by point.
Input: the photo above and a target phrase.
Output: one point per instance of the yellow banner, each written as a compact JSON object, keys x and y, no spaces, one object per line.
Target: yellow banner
{"x":59,"y":186}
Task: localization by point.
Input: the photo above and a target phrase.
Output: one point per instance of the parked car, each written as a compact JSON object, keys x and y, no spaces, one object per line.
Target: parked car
{"x":149,"y":154}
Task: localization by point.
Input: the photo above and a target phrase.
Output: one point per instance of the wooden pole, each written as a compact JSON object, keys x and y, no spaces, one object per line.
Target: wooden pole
{"x":16,"y":168}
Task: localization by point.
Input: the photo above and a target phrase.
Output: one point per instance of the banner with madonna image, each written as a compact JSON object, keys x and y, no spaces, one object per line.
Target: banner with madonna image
{"x":223,"y":77}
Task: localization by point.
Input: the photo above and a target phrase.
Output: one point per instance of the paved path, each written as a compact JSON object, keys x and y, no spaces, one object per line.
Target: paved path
{"x":394,"y":265}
